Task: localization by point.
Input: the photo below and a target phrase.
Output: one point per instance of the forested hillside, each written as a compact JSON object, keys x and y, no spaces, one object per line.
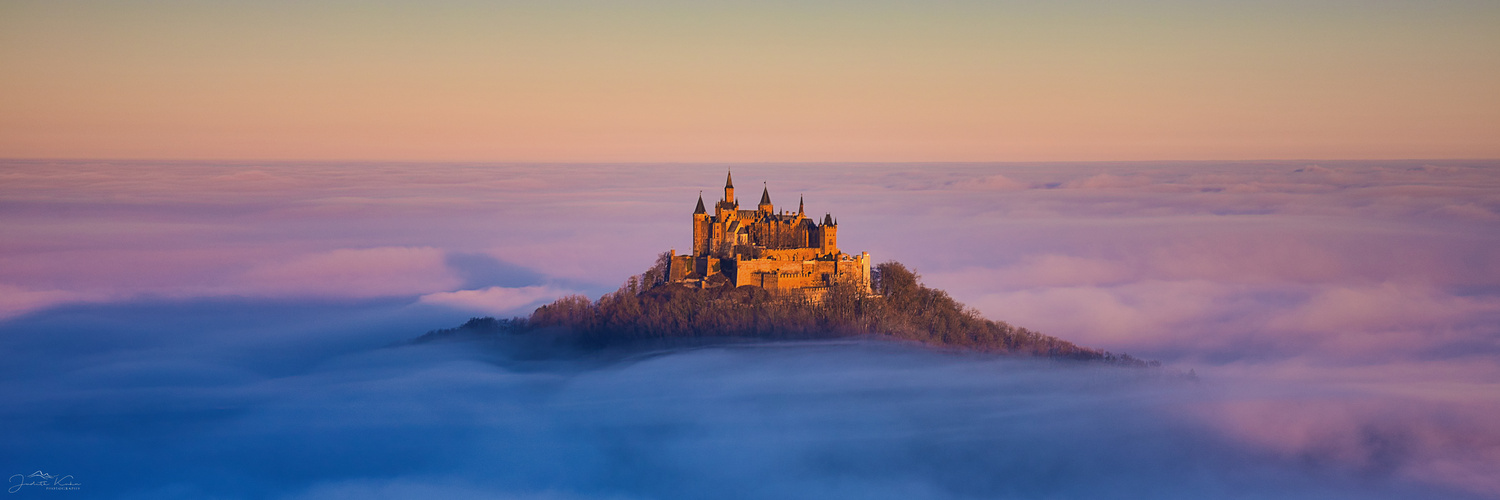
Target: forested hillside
{"x":648,"y":308}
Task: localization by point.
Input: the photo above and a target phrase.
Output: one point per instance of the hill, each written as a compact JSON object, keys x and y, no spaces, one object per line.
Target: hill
{"x":648,"y":309}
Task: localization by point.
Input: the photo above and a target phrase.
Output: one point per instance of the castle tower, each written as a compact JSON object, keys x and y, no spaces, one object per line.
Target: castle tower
{"x":701,"y":229}
{"x":828,"y":236}
{"x":729,"y":188}
{"x":799,"y":206}
{"x":765,"y":201}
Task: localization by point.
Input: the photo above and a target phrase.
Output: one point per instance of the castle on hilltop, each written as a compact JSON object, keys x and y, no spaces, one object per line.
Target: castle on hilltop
{"x":783,"y":252}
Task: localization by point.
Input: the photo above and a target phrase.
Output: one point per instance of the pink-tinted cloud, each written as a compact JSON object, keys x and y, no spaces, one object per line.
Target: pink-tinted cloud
{"x":1044,"y":270}
{"x":1388,"y":306}
{"x":1144,"y":314}
{"x":358,"y":273}
{"x":1107,"y":181}
{"x":1150,"y":258}
{"x":496,"y":300}
{"x":16,"y":300}
{"x":1468,"y":211}
{"x":995,"y":182}
{"x":1378,"y":435}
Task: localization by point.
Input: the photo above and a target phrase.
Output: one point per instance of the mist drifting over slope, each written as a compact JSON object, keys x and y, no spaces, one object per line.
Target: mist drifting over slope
{"x":189,"y":330}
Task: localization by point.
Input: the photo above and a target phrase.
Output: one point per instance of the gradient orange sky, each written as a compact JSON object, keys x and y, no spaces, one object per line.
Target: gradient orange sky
{"x":750,"y":81}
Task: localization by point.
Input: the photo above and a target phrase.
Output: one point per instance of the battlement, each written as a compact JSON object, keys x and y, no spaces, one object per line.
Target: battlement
{"x":786,"y":252}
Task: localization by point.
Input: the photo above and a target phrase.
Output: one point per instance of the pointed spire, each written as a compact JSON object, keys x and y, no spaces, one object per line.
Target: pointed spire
{"x":765,"y":196}
{"x":799,"y":204}
{"x":701,"y":209}
{"x":828,"y":219}
{"x":728,"y":190}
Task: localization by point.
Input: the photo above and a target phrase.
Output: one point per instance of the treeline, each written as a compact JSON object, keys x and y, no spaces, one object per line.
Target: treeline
{"x":648,"y":308}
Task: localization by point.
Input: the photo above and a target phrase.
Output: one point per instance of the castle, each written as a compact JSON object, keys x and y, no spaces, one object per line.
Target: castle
{"x":781,"y":252}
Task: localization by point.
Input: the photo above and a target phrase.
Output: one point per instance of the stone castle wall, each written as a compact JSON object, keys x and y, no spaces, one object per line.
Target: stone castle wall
{"x":780,"y":252}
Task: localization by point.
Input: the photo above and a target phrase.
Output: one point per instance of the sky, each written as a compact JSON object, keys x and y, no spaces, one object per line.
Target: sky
{"x":586,"y":81}
{"x":239,"y":325}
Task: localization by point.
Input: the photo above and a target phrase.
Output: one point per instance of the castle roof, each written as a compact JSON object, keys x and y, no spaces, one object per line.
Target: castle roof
{"x":765,"y":196}
{"x":700,"y":209}
{"x":729,"y":180}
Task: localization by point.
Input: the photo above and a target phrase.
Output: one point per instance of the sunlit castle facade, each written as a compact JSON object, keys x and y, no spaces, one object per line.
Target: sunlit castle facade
{"x":784,"y":251}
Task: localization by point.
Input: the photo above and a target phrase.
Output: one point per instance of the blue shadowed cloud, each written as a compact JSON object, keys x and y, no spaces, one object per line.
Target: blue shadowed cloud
{"x":478,"y":270}
{"x":189,"y":403}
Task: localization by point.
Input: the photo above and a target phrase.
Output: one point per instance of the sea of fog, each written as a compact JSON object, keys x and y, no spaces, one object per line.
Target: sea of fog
{"x":235,"y":330}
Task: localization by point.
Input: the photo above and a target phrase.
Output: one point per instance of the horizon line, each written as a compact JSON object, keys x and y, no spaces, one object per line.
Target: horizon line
{"x":714,"y":162}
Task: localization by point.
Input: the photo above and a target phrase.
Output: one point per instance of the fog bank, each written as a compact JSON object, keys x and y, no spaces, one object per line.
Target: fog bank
{"x":189,"y":330}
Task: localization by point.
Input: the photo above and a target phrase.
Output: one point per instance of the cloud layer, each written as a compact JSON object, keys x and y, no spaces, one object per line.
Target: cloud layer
{"x":1341,"y":316}
{"x":182,"y":410}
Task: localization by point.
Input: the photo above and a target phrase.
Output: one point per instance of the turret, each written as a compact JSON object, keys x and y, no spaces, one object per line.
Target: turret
{"x":729,"y":188}
{"x":765,"y":201}
{"x":799,"y":206}
{"x":828,"y":236}
{"x":701,"y":228}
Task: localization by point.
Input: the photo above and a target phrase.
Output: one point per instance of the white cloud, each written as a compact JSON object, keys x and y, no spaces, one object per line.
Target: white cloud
{"x":495,"y":300}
